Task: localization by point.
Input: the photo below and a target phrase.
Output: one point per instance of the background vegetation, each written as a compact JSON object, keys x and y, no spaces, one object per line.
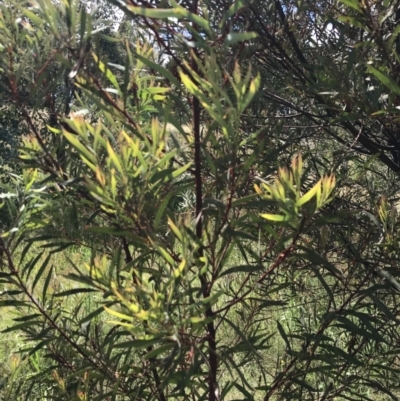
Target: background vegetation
{"x":199,"y":200}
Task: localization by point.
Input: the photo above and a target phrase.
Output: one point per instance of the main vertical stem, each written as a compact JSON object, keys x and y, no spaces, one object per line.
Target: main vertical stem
{"x":213,"y":393}
{"x":197,"y":160}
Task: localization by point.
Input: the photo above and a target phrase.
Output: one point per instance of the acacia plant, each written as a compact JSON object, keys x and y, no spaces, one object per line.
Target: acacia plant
{"x":255,"y":287}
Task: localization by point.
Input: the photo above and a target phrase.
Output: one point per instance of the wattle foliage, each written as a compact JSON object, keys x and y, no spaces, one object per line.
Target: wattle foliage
{"x":204,"y":204}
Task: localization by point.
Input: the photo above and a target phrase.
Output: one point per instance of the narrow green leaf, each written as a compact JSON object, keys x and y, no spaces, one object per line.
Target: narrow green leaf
{"x":175,"y":230}
{"x":46,"y":284}
{"x":138,"y":344}
{"x":212,"y":299}
{"x":40,"y":272}
{"x":161,"y":209}
{"x":341,"y":353}
{"x":159,"y":350}
{"x":75,"y":291}
{"x":242,"y":269}
{"x":353,"y":21}
{"x":158,"y":13}
{"x":304,"y":384}
{"x":22,"y":326}
{"x":348,"y":325}
{"x":325,"y":285}
{"x":83,"y":25}
{"x":40,"y":346}
{"x":93,"y":314}
{"x":383,"y":307}
{"x":166,"y":255}
{"x":388,"y":81}
{"x":317,"y":259}
{"x":28,"y":268}
{"x":275,"y":217}
{"x":183,"y":13}
{"x":12,"y":302}
{"x":354,"y":4}
{"x":244,"y":391}
{"x":28,"y":317}
{"x":159,"y":68}
{"x":114,"y":158}
{"x":235,"y":37}
{"x":235,"y":7}
{"x":169,"y":174}
{"x":107,"y":72}
{"x":33,"y":17}
{"x":309,"y":195}
{"x":389,"y":278}
{"x":74,"y":141}
{"x":283,"y":335}
{"x":118,"y":314}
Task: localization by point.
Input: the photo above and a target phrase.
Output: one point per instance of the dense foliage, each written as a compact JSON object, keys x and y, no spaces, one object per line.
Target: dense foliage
{"x":203,"y":200}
